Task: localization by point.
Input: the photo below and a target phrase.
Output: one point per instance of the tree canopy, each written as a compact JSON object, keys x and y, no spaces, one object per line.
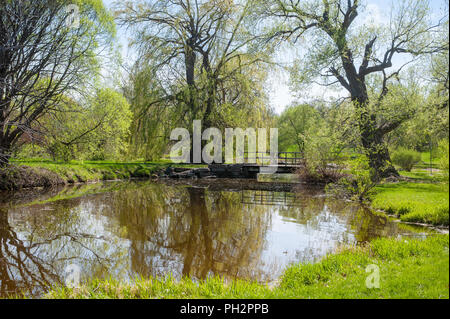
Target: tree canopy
{"x":44,"y":57}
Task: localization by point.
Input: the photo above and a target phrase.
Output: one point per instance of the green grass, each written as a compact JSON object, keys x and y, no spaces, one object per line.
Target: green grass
{"x":408,"y":268}
{"x":419,"y":175}
{"x":426,"y":159}
{"x":91,"y":171}
{"x":414,"y":202}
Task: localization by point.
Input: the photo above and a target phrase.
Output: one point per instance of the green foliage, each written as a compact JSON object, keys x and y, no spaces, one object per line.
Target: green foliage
{"x":98,"y":129}
{"x":153,"y":115}
{"x":427,"y":125}
{"x":323,"y":156}
{"x":412,"y":268}
{"x":295,"y":124}
{"x":406,"y":158}
{"x":444,"y":157}
{"x":29,"y":151}
{"x":359,"y":184}
{"x":109,"y":140}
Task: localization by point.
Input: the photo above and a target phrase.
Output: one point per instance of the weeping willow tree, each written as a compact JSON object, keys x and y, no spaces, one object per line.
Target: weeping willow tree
{"x":153,"y":114}
{"x":197,"y":61}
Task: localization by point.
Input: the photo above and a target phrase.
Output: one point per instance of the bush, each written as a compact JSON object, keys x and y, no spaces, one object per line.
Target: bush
{"x":28,"y":151}
{"x":406,"y":158}
{"x":323,"y":160}
{"x":358,"y":185}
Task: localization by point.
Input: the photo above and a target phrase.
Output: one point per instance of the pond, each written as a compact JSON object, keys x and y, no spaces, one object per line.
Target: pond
{"x":141,"y":228}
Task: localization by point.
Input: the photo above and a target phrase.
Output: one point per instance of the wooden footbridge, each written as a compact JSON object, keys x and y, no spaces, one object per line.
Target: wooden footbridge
{"x":256,"y":163}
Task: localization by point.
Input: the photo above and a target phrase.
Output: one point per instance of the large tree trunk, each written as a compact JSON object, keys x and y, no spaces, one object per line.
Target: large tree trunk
{"x":375,"y":148}
{"x":378,"y":155}
{"x":372,"y":138}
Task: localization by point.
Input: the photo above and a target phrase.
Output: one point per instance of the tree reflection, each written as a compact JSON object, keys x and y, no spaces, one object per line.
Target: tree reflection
{"x":20,"y":268}
{"x":191,"y":232}
{"x":321,"y":211}
{"x":36,"y":250}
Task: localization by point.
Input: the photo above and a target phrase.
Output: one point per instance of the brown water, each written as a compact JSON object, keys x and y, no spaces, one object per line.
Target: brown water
{"x":131,"y":229}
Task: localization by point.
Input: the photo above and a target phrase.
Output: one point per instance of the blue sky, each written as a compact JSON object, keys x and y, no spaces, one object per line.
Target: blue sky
{"x":280,"y":95}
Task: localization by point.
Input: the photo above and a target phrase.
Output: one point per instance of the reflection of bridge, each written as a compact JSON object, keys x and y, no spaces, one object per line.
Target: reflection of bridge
{"x":269,"y":198}
{"x":286,"y":163}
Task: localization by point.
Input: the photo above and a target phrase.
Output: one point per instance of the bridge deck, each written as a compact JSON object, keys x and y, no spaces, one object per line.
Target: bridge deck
{"x":287,"y":162}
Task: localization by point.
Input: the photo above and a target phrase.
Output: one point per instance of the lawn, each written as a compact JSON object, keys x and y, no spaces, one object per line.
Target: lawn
{"x":414,"y":202}
{"x":407,"y":268}
{"x":46,"y":172}
{"x":420,"y":175}
{"x":426,"y":161}
{"x":82,"y":171}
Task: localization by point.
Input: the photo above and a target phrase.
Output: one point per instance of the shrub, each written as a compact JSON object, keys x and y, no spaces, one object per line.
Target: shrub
{"x":406,"y":158}
{"x":323,"y":160}
{"x":358,"y":185}
{"x":109,"y":176}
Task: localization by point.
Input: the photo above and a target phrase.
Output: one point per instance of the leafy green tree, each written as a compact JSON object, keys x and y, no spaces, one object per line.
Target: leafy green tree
{"x":296,"y":124}
{"x":203,"y":63}
{"x":152,"y":115}
{"x":45,"y":55}
{"x":97,"y":130}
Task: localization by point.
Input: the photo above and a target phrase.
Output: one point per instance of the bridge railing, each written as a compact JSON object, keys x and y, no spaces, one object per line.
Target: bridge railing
{"x":284,"y":158}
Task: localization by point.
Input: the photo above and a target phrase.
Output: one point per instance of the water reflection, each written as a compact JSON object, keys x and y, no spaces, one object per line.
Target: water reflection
{"x":146,"y":229}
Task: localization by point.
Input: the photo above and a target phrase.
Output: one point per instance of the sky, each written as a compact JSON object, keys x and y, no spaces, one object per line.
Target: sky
{"x":280,"y":94}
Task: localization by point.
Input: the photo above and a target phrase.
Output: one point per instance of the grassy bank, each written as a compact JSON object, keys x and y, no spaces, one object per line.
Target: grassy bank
{"x":25,"y":174}
{"x":415,"y":202}
{"x":98,"y":170}
{"x":411,"y":268}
